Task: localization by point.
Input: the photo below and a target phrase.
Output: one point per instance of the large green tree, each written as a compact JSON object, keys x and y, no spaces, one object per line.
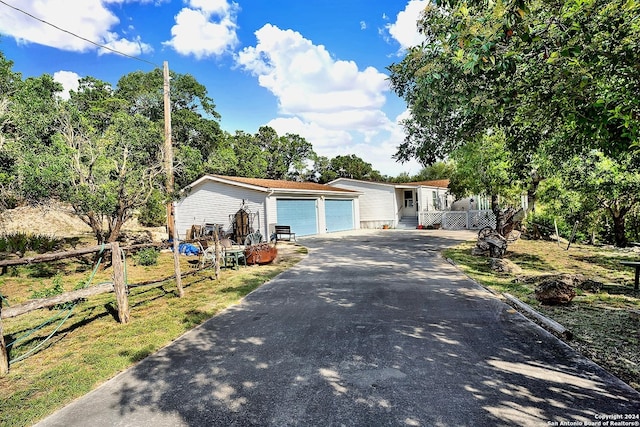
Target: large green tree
{"x":9,"y":83}
{"x":196,"y":132}
{"x":485,"y":167}
{"x":558,"y":75}
{"x":600,"y":184}
{"x":264,"y":154}
{"x":344,"y":166}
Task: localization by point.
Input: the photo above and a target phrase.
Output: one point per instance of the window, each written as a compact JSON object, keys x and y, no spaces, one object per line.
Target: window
{"x":408,"y":198}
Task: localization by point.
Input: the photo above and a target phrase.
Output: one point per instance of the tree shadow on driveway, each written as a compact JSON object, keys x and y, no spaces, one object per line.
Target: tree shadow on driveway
{"x":373,"y":332}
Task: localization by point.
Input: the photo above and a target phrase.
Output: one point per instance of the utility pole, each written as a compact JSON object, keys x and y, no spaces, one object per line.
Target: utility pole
{"x":168,"y":167}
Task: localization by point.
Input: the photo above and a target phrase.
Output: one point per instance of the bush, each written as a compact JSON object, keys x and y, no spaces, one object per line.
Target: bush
{"x":154,"y":212}
{"x":22,"y":242}
{"x":148,"y":256}
{"x":544,"y":223}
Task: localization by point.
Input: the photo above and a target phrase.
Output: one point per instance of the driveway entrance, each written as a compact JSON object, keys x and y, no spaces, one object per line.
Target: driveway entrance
{"x":372,"y":329}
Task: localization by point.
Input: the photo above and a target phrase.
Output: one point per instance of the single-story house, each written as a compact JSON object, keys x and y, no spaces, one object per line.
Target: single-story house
{"x":242,"y":205}
{"x":394,"y":204}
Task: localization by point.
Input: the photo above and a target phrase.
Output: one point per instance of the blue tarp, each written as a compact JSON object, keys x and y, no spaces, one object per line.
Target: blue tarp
{"x":187,"y":249}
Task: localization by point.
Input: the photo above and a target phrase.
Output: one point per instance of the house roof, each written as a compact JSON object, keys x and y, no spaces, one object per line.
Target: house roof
{"x":276,"y":185}
{"x":439,"y":183}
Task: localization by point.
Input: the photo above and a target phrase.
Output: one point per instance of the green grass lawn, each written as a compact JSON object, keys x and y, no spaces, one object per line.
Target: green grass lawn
{"x":605,"y":324}
{"x":91,"y":346}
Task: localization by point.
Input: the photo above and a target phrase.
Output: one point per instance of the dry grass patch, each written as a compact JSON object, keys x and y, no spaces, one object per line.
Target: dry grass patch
{"x":605,"y":324}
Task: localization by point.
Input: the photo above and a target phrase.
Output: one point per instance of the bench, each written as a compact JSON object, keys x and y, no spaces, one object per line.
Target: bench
{"x":635,"y":264}
{"x":284,"y":230}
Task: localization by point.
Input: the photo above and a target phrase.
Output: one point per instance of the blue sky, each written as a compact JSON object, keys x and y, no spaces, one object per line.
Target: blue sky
{"x":316,"y":68}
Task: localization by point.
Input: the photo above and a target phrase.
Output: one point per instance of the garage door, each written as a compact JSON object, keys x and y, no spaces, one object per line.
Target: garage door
{"x":300,"y":215}
{"x":339,"y":215}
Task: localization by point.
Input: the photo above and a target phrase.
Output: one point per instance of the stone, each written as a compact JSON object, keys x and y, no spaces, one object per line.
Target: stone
{"x":503,"y":265}
{"x":556,"y":291}
{"x":590,"y":285}
{"x":476,"y":251}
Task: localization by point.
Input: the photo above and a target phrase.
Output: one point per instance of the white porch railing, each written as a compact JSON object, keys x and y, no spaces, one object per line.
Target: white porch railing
{"x":458,"y":220}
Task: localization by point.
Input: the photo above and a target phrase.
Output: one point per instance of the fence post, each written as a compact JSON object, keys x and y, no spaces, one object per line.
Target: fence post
{"x":4,"y":355}
{"x":119,"y":286}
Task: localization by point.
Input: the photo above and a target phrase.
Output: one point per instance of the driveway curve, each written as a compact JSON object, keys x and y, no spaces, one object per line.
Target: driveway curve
{"x":371,"y":329}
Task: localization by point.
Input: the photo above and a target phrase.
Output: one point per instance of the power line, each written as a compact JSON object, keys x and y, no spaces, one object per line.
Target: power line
{"x":77,"y":36}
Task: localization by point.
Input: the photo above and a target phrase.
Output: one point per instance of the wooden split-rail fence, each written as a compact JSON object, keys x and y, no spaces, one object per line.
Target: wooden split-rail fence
{"x":118,"y":286}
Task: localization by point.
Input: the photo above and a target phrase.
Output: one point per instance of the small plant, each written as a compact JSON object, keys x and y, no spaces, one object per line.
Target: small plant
{"x":42,"y":243}
{"x":148,"y":256}
{"x":54,"y":290}
{"x":15,"y":242}
{"x":20,"y":242}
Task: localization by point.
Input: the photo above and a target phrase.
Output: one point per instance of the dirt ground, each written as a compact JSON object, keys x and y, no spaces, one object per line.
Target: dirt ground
{"x":59,"y":221}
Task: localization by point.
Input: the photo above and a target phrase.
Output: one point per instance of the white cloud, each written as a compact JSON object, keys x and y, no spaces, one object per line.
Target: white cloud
{"x":68,"y":80}
{"x":331,"y":103}
{"x":323,"y":140}
{"x":405,"y":30}
{"x":89,"y":19}
{"x":376,"y":147}
{"x":308,"y":82}
{"x":133,"y":47}
{"x":205,"y":28}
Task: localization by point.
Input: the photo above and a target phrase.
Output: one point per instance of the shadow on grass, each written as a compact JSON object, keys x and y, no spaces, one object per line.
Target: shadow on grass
{"x":244,"y":289}
{"x":196,"y":317}
{"x":529,"y":261}
{"x":609,"y":263}
{"x":136,"y":356}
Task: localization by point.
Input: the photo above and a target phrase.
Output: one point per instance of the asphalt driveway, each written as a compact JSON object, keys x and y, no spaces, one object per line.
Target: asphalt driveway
{"x":371,"y":329}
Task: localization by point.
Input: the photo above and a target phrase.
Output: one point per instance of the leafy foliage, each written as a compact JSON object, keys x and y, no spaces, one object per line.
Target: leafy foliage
{"x":22,"y":242}
{"x":154,"y":211}
{"x":560,"y":79}
{"x":485,"y":167}
{"x":348,"y":166}
{"x":595,"y":185}
{"x":148,"y":256}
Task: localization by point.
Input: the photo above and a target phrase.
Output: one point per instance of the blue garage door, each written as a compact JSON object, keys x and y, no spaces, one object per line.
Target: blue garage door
{"x":300,"y":215}
{"x":339,"y":215}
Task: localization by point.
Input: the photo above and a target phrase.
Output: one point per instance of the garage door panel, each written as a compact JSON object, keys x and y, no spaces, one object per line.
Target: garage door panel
{"x":339,"y":215}
{"x":300,"y":215}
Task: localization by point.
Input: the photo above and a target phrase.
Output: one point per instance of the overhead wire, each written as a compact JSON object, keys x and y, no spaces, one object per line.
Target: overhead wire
{"x":76,"y":35}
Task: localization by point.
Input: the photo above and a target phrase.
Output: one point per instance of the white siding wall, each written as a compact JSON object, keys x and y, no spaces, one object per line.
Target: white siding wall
{"x":429,"y":203}
{"x":322,"y":220}
{"x":424,"y":199}
{"x":377,"y":206}
{"x":213,"y":202}
{"x":271,"y":209}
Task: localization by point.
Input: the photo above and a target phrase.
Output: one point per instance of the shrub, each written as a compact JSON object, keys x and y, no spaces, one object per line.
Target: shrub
{"x":154,"y":212}
{"x":544,"y":223}
{"x":148,"y":256}
{"x":22,"y":242}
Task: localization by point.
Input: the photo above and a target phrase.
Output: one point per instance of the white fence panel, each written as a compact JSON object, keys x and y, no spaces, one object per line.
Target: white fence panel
{"x":430,"y":218}
{"x":458,"y":220}
{"x":481,"y":219}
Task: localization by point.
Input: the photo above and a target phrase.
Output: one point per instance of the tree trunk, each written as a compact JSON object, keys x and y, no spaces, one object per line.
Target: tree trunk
{"x":96,"y":226}
{"x":619,"y":231}
{"x":495,"y":207}
{"x":115,"y":231}
{"x":532,"y":191}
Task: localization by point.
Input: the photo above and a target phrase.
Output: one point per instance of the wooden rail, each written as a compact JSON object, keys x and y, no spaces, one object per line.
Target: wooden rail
{"x":118,"y":286}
